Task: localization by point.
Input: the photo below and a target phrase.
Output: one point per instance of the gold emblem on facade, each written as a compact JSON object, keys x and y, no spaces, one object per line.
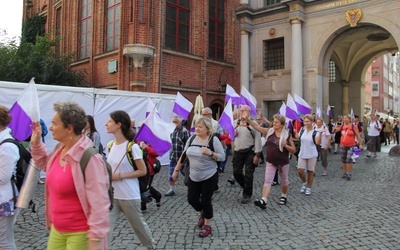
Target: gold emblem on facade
{"x":353,"y":17}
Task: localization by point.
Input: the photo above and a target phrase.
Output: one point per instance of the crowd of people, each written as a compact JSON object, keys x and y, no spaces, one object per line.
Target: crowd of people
{"x":199,"y":156}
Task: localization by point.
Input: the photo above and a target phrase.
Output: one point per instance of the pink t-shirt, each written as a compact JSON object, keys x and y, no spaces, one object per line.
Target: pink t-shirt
{"x":66,"y":212}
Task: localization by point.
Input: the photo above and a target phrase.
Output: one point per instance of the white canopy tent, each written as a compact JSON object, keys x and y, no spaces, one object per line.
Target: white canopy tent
{"x":97,"y":102}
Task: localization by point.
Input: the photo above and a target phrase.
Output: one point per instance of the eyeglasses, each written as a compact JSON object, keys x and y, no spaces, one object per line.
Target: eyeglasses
{"x":244,"y":110}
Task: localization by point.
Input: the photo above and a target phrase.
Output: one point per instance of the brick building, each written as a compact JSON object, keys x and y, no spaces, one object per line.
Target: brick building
{"x":160,"y":46}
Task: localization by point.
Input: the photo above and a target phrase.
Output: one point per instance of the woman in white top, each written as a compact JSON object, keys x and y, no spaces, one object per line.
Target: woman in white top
{"x":324,"y":145}
{"x":9,"y":156}
{"x":308,"y":154}
{"x":125,"y":179}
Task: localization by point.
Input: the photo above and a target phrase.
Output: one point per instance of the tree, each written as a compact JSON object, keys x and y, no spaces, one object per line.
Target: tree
{"x":37,"y":58}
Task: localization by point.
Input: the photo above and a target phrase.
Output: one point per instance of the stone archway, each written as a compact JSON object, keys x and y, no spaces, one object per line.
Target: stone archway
{"x":351,"y":50}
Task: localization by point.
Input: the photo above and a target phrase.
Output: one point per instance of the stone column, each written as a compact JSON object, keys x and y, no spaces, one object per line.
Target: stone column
{"x":345,"y":100}
{"x":245,"y":58}
{"x":297,"y":58}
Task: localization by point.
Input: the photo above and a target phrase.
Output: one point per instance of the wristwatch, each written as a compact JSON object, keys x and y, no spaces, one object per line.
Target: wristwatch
{"x":212,"y":154}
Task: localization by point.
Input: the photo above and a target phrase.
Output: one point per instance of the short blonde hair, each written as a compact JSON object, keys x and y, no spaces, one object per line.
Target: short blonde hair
{"x":309,"y":117}
{"x":280,"y":118}
{"x":206,"y":122}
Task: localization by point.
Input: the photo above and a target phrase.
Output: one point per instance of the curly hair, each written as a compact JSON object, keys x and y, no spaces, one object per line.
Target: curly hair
{"x":5,"y":117}
{"x":71,"y":114}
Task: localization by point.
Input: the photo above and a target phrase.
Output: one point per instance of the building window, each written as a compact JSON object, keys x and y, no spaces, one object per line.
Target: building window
{"x":274,"y":54}
{"x":271,"y":2}
{"x":332,"y":71}
{"x":58,"y":30}
{"x":113,"y":22}
{"x":177,"y":25}
{"x":216,"y":29}
{"x":85,"y":28}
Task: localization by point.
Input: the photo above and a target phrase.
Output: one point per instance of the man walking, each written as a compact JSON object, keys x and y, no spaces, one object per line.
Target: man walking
{"x":246,"y":154}
{"x":374,"y":128}
{"x":178,"y":138}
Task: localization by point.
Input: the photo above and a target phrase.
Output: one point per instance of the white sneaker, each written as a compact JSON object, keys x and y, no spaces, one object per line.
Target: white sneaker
{"x":308,"y":191}
{"x":303,"y":188}
{"x":324,"y":173}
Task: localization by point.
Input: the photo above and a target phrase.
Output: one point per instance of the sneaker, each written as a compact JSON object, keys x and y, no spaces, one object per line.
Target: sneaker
{"x":368,"y":155}
{"x":169,"y":193}
{"x":274,"y":183}
{"x":335,"y":152}
{"x":260,"y":203}
{"x":144,"y":211}
{"x":40,"y":181}
{"x":348,"y":176}
{"x":158,"y":203}
{"x":205,"y":231}
{"x":308,"y":191}
{"x":245,"y":200}
{"x":324,"y":173}
{"x":231,"y":181}
{"x":344,"y":175}
{"x":303,"y":188}
{"x":200,"y":222}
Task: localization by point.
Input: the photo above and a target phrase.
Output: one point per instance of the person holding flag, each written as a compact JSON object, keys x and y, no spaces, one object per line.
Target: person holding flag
{"x":279,"y":144}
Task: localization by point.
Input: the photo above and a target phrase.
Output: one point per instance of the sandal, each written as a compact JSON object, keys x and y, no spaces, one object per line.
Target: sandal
{"x":282,"y":201}
{"x":260,"y":203}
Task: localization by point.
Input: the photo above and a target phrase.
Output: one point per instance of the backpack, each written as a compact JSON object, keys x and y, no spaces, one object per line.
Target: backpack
{"x":299,"y":140}
{"x":87,"y":154}
{"x":210,"y":146}
{"x":143,"y":180}
{"x":22,"y":165}
{"x":247,"y":126}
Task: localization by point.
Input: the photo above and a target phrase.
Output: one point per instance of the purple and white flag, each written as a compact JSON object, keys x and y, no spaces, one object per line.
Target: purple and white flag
{"x":149,"y":106}
{"x":248,"y":99}
{"x":282,"y":109}
{"x":182,"y":106}
{"x":230,"y":93}
{"x":329,"y":111}
{"x":25,"y":111}
{"x":226,"y":119}
{"x":156,"y":132}
{"x":302,"y":105}
{"x":291,"y":109}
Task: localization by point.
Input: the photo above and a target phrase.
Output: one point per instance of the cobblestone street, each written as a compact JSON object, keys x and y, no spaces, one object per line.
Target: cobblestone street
{"x":359,"y":214}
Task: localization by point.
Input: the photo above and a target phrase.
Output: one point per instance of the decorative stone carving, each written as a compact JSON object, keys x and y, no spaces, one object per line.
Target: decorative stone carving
{"x":353,"y":17}
{"x":138,"y":52}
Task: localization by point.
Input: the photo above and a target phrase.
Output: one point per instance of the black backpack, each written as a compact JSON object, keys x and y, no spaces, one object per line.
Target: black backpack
{"x":87,"y":154}
{"x":210,"y":146}
{"x":22,"y":165}
{"x":144,"y":181}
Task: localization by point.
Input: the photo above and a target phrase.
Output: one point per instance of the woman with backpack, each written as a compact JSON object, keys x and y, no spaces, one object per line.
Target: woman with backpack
{"x":9,"y":155}
{"x":348,"y":132}
{"x":309,"y":139}
{"x":203,"y":176}
{"x":127,"y":196}
{"x":75,"y":206}
{"x":279,"y":144}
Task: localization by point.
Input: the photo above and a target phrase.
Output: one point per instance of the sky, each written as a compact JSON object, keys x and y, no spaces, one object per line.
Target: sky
{"x":10,"y":18}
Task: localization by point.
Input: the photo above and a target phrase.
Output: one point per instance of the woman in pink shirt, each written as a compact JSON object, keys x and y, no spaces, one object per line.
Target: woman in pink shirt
{"x":76,"y":208}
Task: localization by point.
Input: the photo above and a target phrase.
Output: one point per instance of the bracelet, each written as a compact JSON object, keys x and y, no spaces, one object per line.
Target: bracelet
{"x":95,"y":239}
{"x":212,"y":154}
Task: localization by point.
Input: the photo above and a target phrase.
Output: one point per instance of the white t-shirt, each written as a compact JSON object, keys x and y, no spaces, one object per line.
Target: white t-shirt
{"x":324,"y":133}
{"x":125,"y":189}
{"x":372,"y":131}
{"x":308,"y":149}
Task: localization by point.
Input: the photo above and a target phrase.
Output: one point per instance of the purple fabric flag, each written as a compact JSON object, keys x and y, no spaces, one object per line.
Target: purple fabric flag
{"x":156,"y":132}
{"x":226,"y":120}
{"x":302,"y":105}
{"x":282,"y":109}
{"x":25,"y":111}
{"x":291,"y":109}
{"x":248,"y":99}
{"x":149,"y":106}
{"x":182,"y":106}
{"x":329,"y":111}
{"x":230,"y":93}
